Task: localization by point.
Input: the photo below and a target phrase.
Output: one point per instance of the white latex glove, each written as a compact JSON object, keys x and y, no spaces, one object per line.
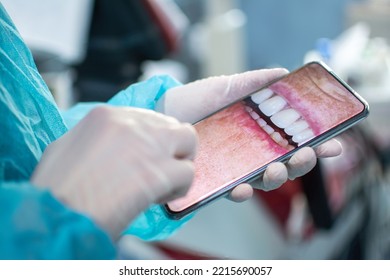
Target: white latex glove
{"x":116,"y":162}
{"x":194,"y":101}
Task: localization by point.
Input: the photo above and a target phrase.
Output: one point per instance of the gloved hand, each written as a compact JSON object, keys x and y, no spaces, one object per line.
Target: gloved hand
{"x":194,"y":101}
{"x":116,"y":161}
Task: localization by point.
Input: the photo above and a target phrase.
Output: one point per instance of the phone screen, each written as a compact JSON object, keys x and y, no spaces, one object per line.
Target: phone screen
{"x":306,"y":107}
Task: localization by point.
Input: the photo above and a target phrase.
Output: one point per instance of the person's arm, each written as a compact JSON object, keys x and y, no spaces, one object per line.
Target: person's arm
{"x":34,"y":225}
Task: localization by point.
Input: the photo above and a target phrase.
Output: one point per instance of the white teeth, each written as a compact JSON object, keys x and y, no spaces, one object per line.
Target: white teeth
{"x":279,"y":139}
{"x":303,"y":136}
{"x":285,"y":118}
{"x":248,"y":109}
{"x":282,"y":115}
{"x":296,"y":127}
{"x":254,"y":115}
{"x":268,"y":129}
{"x":261,"y":95}
{"x":272,"y":105}
{"x":261,"y":122}
{"x":276,"y":136}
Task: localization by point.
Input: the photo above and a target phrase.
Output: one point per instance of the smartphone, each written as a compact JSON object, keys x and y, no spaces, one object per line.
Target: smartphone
{"x":236,"y":144}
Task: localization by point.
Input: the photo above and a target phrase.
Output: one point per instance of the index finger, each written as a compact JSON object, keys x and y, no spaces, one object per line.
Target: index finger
{"x":184,"y":141}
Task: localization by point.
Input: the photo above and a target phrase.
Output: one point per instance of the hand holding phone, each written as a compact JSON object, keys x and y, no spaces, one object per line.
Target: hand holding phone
{"x":237,"y":143}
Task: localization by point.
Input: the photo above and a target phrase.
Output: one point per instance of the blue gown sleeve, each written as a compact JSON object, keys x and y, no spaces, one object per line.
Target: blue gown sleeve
{"x":36,"y":226}
{"x":33,"y":224}
{"x":153,"y":224}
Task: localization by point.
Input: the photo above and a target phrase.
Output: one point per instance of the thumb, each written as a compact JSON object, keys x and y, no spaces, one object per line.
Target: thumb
{"x":194,"y":101}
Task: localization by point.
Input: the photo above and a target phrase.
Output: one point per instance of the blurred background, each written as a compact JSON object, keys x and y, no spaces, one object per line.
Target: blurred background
{"x":87,"y":50}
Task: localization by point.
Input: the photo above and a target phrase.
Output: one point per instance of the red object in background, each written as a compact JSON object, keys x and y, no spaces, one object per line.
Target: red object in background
{"x":165,"y":23}
{"x":177,"y":253}
{"x":279,"y":201}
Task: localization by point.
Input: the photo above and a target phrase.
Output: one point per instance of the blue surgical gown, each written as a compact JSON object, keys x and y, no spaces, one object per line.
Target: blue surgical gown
{"x":33,"y":224}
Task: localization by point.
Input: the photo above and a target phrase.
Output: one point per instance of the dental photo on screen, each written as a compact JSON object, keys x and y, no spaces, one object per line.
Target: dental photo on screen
{"x":264,"y":126}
